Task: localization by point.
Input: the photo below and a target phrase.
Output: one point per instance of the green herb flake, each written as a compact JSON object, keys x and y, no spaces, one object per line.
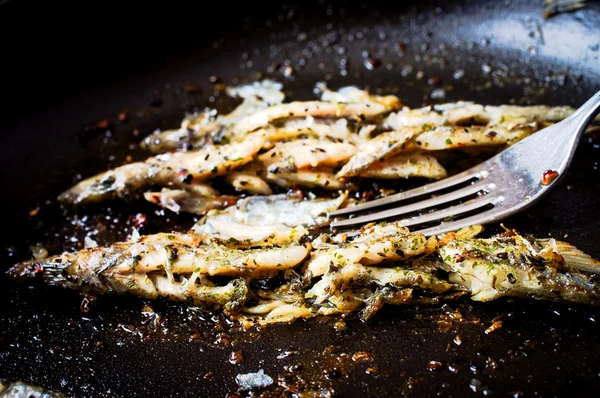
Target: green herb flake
{"x":427,"y":127}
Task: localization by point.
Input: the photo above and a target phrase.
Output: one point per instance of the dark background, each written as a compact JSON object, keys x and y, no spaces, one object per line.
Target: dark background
{"x":64,"y":67}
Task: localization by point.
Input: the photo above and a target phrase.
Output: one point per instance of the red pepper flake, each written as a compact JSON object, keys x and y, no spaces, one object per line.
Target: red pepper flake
{"x":34,"y":212}
{"x":37,"y":269}
{"x":371,"y":63}
{"x":549,"y":176}
{"x":222,"y":340}
{"x":236,"y":357}
{"x":87,"y":303}
{"x":103,"y":124}
{"x":124,"y":116}
{"x":139,"y":220}
{"x":101,"y":227}
{"x":136,"y":132}
{"x":434,"y":365}
{"x":433,"y":80}
{"x":367,"y":195}
{"x":154,"y":198}
{"x":191,"y":88}
{"x":401,"y":47}
{"x":287,"y":71}
{"x":230,"y":201}
{"x":182,"y":172}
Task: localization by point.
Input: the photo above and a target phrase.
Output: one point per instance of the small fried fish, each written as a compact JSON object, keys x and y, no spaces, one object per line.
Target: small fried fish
{"x":176,"y":170}
{"x":268,"y":220}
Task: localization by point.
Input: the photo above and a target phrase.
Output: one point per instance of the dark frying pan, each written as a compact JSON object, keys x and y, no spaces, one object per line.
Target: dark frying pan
{"x":63,"y":72}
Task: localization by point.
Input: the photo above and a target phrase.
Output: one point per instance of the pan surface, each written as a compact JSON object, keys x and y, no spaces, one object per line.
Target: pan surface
{"x":485,"y":51}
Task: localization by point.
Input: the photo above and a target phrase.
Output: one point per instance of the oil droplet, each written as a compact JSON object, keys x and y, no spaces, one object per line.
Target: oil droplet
{"x":549,"y":176}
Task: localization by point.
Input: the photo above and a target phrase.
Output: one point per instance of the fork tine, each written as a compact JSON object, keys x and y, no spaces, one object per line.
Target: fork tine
{"x":425,"y":189}
{"x":458,"y":194}
{"x":450,"y":211}
{"x":481,"y":218}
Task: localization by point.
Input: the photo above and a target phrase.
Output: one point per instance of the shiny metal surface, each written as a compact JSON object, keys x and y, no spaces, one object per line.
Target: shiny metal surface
{"x":509,"y":182}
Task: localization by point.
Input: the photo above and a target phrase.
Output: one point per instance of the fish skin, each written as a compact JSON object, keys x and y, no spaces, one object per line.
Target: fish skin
{"x":385,"y":263}
{"x":185,"y":201}
{"x":465,"y":112}
{"x":512,"y":265}
{"x":317,"y":109}
{"x":376,"y":244}
{"x":318,"y":177}
{"x":380,"y":147}
{"x":268,"y":220}
{"x":20,"y":389}
{"x":248,"y":182}
{"x":306,"y":154}
{"x":406,"y":165}
{"x":198,"y":131}
{"x":169,"y":170}
{"x":172,"y":265}
{"x":431,"y":138}
{"x":348,"y":102}
{"x":171,"y":253}
{"x":445,"y":138}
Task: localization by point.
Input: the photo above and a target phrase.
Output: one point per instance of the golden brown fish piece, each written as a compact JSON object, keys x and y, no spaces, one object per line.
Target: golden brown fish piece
{"x":469,"y":113}
{"x":176,"y":170}
{"x":178,"y":200}
{"x":317,"y":109}
{"x":380,"y":147}
{"x":428,"y":137}
{"x":375,"y":244}
{"x":173,"y":265}
{"x":405,"y":165}
{"x":309,"y":127}
{"x":306,"y":153}
{"x":268,"y":220}
{"x":443,"y":138}
{"x":205,"y":128}
{"x":318,"y":177}
{"x":512,"y":265}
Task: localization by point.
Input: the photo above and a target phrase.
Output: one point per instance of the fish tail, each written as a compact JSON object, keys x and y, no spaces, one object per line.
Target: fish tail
{"x":574,"y":258}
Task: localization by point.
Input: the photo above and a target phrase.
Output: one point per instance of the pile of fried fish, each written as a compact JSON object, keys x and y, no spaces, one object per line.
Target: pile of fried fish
{"x":330,"y":144}
{"x":255,"y":257}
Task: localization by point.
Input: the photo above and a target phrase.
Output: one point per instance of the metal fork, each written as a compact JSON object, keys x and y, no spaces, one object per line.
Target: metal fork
{"x":503,"y":185}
